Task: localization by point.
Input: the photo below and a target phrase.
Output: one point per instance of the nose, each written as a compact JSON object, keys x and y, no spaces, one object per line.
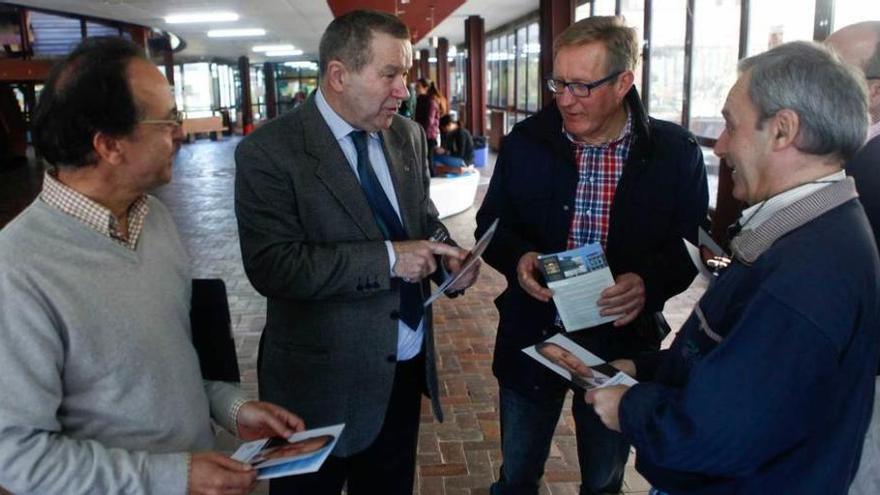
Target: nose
{"x":399,"y":90}
{"x":564,"y":98}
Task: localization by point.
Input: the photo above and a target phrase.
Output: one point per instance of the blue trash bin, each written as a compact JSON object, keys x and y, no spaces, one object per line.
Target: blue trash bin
{"x":481,"y":151}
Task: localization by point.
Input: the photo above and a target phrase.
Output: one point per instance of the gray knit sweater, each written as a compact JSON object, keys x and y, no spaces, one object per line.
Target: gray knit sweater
{"x":101,"y":388}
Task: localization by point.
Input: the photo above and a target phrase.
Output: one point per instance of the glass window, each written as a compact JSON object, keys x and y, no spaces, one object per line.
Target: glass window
{"x":848,"y":12}
{"x":178,"y":87}
{"x":258,"y":93}
{"x":94,"y":30}
{"x":582,"y":11}
{"x":781,"y":21}
{"x":522,"y":63}
{"x":667,"y":60}
{"x":633,"y":13}
{"x":604,"y":7}
{"x":197,"y":90}
{"x":510,"y":60}
{"x":533,"y":48}
{"x":54,"y":35}
{"x":716,"y":47}
{"x":713,"y":163}
{"x":502,"y":72}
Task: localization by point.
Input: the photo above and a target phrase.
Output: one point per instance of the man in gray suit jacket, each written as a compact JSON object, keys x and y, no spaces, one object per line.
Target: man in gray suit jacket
{"x":333,"y":212}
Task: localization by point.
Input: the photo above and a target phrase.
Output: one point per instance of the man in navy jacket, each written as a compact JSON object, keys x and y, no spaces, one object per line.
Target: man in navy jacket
{"x":590,"y":167}
{"x":768,"y":387}
{"x":859,"y":45}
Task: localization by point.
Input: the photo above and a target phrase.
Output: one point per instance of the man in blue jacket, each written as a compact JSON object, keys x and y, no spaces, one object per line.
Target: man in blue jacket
{"x":769,"y":385}
{"x":590,"y":167}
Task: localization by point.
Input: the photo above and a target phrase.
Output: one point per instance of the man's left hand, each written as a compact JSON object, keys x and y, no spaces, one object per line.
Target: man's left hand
{"x":453,"y":265}
{"x":257,"y":419}
{"x":625,"y":299}
{"x":606,"y":403}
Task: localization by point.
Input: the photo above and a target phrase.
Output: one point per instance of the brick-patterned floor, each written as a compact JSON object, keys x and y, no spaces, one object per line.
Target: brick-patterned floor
{"x":458,"y":457}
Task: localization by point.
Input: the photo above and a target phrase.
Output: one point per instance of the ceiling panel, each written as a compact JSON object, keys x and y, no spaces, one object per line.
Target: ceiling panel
{"x":299,"y":22}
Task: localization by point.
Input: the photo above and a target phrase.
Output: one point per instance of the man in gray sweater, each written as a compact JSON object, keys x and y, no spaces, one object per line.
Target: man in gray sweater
{"x":101,"y":384}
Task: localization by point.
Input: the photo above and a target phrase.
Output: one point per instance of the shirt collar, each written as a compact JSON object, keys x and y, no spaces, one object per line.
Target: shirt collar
{"x":96,"y":216}
{"x":753,"y":216}
{"x":874,"y":130}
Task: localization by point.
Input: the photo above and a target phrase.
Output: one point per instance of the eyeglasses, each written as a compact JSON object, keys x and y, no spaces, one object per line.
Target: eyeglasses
{"x":579,"y":89}
{"x":175,"y":120}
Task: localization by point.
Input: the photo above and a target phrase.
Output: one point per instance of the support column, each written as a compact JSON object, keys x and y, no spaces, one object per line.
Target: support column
{"x":271,"y":90}
{"x":556,"y":15}
{"x":475,"y":41}
{"x":424,"y":65}
{"x":247,"y":111}
{"x":168,"y":59}
{"x":24,"y":32}
{"x":443,"y":67}
{"x":140,"y":36}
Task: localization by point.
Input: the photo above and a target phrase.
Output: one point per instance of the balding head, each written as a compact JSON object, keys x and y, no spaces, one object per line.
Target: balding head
{"x":859,"y":45}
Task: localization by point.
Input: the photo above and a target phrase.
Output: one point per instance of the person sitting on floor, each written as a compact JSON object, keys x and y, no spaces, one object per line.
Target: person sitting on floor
{"x":456,"y":151}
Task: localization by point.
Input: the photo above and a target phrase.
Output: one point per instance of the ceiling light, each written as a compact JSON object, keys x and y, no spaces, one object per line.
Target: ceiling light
{"x":201,"y":17}
{"x":236,"y":33}
{"x":283,"y":53}
{"x":272,"y":48}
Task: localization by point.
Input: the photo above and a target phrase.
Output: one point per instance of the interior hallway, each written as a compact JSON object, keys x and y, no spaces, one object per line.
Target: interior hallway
{"x":460,"y":456}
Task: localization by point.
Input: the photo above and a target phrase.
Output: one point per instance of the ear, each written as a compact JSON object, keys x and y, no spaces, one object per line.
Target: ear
{"x":784,"y":128}
{"x":624,"y":83}
{"x":874,"y":96}
{"x":336,"y":74}
{"x":108,"y":148}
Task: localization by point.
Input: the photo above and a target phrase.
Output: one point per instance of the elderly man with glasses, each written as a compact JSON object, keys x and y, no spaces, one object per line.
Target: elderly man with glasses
{"x":102,"y":386}
{"x":590,"y":167}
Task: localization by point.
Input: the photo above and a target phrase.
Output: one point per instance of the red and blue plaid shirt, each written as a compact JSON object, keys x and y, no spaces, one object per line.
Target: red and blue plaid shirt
{"x":599,"y":170}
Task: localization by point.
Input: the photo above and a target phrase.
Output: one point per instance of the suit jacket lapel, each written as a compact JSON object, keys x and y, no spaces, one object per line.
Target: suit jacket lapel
{"x":334,"y":171}
{"x":398,"y":154}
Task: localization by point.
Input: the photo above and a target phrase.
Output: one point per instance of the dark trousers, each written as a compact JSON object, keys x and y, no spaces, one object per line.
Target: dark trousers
{"x":387,"y":466}
{"x":527,"y":427}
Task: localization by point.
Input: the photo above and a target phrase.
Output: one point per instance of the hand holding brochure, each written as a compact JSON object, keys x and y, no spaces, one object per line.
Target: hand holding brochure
{"x":467,"y":265}
{"x":576,"y":364}
{"x":577,"y":278}
{"x":302,"y":452}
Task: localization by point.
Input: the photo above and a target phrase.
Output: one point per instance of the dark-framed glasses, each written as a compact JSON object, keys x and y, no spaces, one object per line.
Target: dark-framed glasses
{"x":175,"y":120}
{"x":579,"y":89}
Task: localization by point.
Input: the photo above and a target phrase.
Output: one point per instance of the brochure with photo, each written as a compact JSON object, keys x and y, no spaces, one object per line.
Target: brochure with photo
{"x":467,"y":265}
{"x":576,"y":364}
{"x":577,"y":278}
{"x":302,"y":452}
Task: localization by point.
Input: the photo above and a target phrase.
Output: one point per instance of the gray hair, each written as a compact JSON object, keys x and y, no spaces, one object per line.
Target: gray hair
{"x":829,"y":97}
{"x":619,"y":40}
{"x":347,"y":39}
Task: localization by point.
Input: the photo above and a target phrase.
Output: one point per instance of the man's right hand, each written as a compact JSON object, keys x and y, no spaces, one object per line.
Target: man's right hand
{"x":213,"y":473}
{"x":527,"y":273}
{"x":415,"y":259}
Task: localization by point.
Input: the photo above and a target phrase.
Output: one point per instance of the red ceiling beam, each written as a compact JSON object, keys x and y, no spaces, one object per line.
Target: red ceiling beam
{"x":15,"y":70}
{"x":420,"y":15}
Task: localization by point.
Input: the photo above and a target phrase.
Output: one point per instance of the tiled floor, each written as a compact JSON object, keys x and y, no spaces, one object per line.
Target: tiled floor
{"x":460,"y":456}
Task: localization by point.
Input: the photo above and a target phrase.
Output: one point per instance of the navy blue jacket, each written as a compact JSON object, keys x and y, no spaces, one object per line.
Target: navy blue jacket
{"x":771,"y":392}
{"x":661,"y":197}
{"x":865,"y":170}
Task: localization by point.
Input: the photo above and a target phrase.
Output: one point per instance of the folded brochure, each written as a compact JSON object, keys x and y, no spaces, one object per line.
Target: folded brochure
{"x":301,"y":453}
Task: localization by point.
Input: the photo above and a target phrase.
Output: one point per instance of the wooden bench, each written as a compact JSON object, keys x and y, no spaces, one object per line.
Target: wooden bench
{"x":203,"y":125}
